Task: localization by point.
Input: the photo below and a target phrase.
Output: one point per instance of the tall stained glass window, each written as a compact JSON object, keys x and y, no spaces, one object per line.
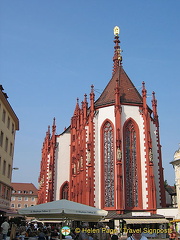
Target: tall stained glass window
{"x":131,"y":173}
{"x":108,"y":148}
{"x":65,"y":190}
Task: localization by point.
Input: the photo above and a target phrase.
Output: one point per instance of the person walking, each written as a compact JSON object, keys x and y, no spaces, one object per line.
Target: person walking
{"x":5,"y":227}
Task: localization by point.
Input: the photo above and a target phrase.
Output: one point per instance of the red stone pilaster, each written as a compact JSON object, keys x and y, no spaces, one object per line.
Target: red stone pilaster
{"x":161,"y":174}
{"x":91,"y":154}
{"x":118,"y":155}
{"x":149,"y":157}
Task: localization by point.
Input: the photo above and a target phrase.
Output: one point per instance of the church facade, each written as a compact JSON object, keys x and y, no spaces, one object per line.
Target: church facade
{"x":110,"y":155}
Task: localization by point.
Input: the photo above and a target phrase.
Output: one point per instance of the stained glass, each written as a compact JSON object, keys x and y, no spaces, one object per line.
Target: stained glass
{"x":108,"y":165}
{"x":131,"y":178}
{"x":65,"y":190}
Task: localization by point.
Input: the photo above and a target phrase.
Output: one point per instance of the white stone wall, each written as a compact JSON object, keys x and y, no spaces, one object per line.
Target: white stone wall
{"x":62,"y":162}
{"x":108,"y":113}
{"x":133,"y":112}
{"x":101,"y":116}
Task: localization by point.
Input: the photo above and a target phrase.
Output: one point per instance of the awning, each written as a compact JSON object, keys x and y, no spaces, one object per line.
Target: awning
{"x":144,"y":221}
{"x":175,"y":220}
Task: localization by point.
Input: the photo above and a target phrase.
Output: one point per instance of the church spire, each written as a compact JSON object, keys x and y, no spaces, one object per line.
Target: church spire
{"x":117,"y":59}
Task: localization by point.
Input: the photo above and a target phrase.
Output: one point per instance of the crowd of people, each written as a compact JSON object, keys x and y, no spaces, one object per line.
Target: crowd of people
{"x":40,"y":231}
{"x":30,"y":231}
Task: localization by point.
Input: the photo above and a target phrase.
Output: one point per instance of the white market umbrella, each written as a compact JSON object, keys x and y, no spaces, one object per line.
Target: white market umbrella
{"x":64,"y":209}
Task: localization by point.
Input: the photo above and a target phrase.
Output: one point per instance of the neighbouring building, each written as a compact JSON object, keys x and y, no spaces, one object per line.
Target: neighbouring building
{"x":171,"y":198}
{"x":176,"y":165}
{"x":9,"y":124}
{"x":110,"y":155}
{"x":23,"y":195}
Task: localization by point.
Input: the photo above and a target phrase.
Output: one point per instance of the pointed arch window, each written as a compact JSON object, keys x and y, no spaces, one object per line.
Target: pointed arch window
{"x":131,"y":168}
{"x":108,"y":154}
{"x":64,"y":191}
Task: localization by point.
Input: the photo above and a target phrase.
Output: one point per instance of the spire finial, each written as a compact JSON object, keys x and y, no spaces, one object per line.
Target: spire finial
{"x":54,"y":126}
{"x":117,"y":59}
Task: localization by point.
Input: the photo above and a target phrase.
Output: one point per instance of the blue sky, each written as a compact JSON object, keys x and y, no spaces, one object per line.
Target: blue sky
{"x":52,"y":51}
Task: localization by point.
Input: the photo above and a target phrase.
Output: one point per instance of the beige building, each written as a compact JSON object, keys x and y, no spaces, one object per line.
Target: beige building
{"x":23,"y":195}
{"x":176,"y":165}
{"x":9,"y":124}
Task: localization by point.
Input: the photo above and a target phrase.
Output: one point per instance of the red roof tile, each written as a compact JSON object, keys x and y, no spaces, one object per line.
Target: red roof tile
{"x":25,"y":188}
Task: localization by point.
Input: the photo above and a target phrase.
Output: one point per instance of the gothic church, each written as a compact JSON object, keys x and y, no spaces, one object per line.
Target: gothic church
{"x":110,"y":155}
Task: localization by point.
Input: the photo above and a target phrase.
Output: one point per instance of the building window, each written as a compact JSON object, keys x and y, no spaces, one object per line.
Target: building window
{"x":4,"y":116}
{"x":7,"y":194}
{"x":4,"y":168}
{"x":108,"y":164}
{"x":6,"y":144}
{"x":31,"y":192}
{"x":25,"y":198}
{"x":13,"y":198}
{"x":9,"y":171}
{"x":11,"y":149}
{"x":32,"y":199}
{"x":19,"y":191}
{"x":13,"y":191}
{"x":12,"y":128}
{"x":25,"y":205}
{"x":131,"y":168}
{"x":19,"y":198}
{"x":1,"y":138}
{"x":12,"y":205}
{"x":19,"y":205}
{"x":8,"y":123}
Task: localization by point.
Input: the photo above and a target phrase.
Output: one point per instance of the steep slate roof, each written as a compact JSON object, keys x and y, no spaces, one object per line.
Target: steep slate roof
{"x":128,"y":92}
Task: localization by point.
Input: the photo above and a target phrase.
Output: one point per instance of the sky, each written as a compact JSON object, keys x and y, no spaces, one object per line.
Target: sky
{"x":51,"y":52}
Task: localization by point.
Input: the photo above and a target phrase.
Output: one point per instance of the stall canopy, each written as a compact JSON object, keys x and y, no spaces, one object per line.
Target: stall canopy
{"x":146,"y":221}
{"x":64,"y":209}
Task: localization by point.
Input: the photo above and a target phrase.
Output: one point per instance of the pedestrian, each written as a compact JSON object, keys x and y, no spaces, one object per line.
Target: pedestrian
{"x":137,"y":234}
{"x":5,"y":227}
{"x":101,"y":234}
{"x":83,"y":235}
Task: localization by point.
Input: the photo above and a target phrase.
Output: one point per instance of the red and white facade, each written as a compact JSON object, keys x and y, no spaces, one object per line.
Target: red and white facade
{"x":110,"y":156}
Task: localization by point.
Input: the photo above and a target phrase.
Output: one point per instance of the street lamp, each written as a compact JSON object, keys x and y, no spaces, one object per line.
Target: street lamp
{"x":15,"y":168}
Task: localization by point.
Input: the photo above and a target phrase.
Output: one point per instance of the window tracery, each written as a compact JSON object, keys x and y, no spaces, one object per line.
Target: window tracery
{"x":131,"y":174}
{"x":108,"y":148}
{"x":65,"y":190}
